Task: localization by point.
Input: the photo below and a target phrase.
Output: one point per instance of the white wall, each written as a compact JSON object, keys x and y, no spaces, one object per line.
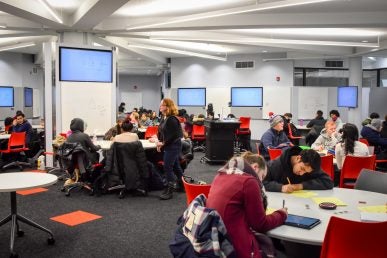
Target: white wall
{"x":16,"y":70}
{"x":149,"y":86}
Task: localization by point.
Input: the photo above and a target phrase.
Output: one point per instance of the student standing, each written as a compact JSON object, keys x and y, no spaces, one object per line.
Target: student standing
{"x":169,"y":135}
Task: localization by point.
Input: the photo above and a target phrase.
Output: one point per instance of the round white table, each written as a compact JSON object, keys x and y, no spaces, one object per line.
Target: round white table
{"x":307,"y":207}
{"x":12,"y":182}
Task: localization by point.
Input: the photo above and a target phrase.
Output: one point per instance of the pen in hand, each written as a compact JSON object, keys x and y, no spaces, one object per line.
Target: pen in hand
{"x":288,"y":180}
{"x":283,"y":203}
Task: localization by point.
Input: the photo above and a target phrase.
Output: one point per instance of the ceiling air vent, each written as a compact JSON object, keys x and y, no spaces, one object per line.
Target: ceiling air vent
{"x":333,"y":63}
{"x":244,"y":64}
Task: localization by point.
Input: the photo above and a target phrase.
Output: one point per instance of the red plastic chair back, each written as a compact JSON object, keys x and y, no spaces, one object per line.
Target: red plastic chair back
{"x":352,"y":167}
{"x":244,"y":127}
{"x":291,"y":136}
{"x":347,"y":238}
{"x":6,"y":128}
{"x":150,"y":131}
{"x":365,"y":141}
{"x":274,"y":153}
{"x":193,"y":190}
{"x":198,"y":133}
{"x":327,"y":165}
{"x":16,"y":143}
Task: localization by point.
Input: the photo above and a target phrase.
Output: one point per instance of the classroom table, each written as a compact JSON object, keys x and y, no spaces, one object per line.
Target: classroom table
{"x":307,"y":207}
{"x":12,"y":182}
{"x":105,"y":145}
{"x":5,"y":136}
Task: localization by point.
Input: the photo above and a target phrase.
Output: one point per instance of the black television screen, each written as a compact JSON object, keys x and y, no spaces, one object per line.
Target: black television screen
{"x":191,"y":97}
{"x":28,"y":97}
{"x":85,"y":65}
{"x":347,"y":96}
{"x":6,"y":96}
{"x":246,"y":96}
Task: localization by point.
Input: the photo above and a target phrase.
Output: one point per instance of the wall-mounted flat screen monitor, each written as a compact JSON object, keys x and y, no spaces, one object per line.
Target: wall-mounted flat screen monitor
{"x":191,"y":97}
{"x":85,"y":65}
{"x":28,"y":97}
{"x":6,"y":96}
{"x":347,"y":96}
{"x":246,"y":96}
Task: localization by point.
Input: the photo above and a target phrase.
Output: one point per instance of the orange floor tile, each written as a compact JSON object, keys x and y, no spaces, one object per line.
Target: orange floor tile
{"x":32,"y":191}
{"x":75,"y":218}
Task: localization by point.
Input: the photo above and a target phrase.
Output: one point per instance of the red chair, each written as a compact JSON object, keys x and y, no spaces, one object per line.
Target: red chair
{"x":198,"y":136}
{"x":291,"y":136}
{"x":327,"y":165}
{"x":347,"y":238}
{"x":274,"y":153}
{"x":193,"y":190}
{"x":365,"y":141}
{"x":352,"y":167}
{"x":243,"y":133}
{"x":17,"y":147}
{"x":151,"y":131}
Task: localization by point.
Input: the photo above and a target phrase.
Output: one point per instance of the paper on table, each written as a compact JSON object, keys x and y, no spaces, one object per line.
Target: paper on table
{"x":303,"y":194}
{"x":269,"y":210}
{"x":334,"y":200}
{"x":374,"y":209}
{"x":371,"y":216}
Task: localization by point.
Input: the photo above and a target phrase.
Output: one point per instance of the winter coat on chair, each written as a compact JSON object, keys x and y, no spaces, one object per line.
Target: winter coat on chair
{"x":126,"y":163}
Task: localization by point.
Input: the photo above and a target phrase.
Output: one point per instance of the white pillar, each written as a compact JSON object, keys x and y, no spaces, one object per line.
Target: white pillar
{"x":48,"y":124}
{"x":356,"y":79}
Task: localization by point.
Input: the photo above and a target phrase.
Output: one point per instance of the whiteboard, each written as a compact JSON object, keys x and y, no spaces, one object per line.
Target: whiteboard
{"x":312,"y":99}
{"x":36,"y":110}
{"x":219,"y":97}
{"x":91,"y":102}
{"x":276,"y":99}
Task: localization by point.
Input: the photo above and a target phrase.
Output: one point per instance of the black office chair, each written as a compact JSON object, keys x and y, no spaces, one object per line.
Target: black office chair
{"x":81,"y":173}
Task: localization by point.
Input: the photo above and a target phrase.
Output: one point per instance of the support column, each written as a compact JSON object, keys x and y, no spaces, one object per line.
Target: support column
{"x":48,"y":124}
{"x":356,"y":79}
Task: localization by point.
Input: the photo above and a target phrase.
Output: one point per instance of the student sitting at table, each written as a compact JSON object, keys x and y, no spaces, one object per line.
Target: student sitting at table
{"x":20,"y":124}
{"x":144,"y":120}
{"x":135,"y":120}
{"x":275,"y":137}
{"x":349,"y":145}
{"x":328,"y":138}
{"x":296,"y":169}
{"x":335,"y":117}
{"x":126,"y":135}
{"x":315,"y":125}
{"x":237,"y":193}
{"x":154,"y":118}
{"x":115,"y":130}
{"x":77,"y":127}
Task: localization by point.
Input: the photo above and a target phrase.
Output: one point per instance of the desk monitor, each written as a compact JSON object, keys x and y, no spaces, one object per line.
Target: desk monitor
{"x":85,"y":65}
{"x":28,"y":97}
{"x":347,"y":96}
{"x":191,"y":97}
{"x":6,"y":96}
{"x":246,"y":96}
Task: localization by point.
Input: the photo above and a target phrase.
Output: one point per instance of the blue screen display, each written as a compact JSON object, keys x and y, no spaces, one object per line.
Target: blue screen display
{"x":85,"y":65}
{"x":28,"y":97}
{"x":191,"y":97}
{"x":6,"y":97}
{"x":347,"y":96}
{"x":246,"y":96}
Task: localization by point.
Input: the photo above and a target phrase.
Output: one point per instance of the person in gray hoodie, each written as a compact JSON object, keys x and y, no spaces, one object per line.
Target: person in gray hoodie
{"x":328,"y":138}
{"x":77,"y":127}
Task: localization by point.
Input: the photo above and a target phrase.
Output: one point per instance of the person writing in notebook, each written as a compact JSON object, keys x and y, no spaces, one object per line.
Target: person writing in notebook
{"x":296,"y":169}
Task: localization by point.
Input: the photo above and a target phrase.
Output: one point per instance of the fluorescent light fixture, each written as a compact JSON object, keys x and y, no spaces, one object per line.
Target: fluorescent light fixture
{"x":97,"y":44}
{"x":342,"y":32}
{"x":50,"y":10}
{"x":176,"y":51}
{"x":16,"y":46}
{"x":193,"y":45}
{"x":257,"y":41}
{"x":372,"y":58}
{"x":3,"y":26}
{"x":232,"y":11}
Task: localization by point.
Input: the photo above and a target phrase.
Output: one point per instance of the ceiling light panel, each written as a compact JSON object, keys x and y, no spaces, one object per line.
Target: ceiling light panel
{"x":313,"y":32}
{"x":193,"y":46}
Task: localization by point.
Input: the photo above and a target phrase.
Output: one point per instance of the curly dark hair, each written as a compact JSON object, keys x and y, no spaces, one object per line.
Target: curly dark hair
{"x":312,"y":158}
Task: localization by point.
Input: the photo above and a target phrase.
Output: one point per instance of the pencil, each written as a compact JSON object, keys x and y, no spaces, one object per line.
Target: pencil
{"x":288,"y":180}
{"x":283,"y":203}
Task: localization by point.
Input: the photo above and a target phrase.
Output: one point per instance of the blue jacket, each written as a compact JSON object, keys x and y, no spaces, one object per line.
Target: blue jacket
{"x":271,"y":139}
{"x":374,"y":138}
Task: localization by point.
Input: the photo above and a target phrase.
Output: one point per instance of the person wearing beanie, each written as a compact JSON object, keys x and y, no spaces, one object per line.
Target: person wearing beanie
{"x":371,"y":132}
{"x":368,"y":119}
{"x":275,"y":137}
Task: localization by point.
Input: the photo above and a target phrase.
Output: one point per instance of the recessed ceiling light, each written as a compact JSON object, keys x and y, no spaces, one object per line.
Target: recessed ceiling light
{"x":264,"y":51}
{"x":364,"y":41}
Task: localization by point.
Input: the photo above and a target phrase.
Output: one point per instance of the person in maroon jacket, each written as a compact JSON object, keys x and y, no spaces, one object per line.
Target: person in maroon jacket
{"x":237,"y":193}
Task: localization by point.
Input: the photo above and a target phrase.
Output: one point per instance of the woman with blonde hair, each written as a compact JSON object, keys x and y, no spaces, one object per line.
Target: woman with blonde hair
{"x":238,"y":194}
{"x":169,"y":136}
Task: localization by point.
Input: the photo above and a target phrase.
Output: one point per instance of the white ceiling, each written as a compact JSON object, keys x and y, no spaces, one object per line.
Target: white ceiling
{"x":147,"y":32}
